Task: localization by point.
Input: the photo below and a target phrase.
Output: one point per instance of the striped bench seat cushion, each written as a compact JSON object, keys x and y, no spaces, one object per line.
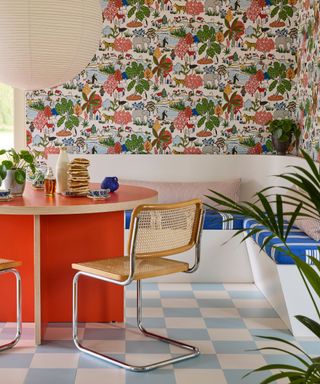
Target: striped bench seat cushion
{"x":299,"y":243}
{"x":212,"y":220}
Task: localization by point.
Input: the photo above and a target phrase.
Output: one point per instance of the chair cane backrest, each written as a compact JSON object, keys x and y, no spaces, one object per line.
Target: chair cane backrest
{"x":160,"y":230}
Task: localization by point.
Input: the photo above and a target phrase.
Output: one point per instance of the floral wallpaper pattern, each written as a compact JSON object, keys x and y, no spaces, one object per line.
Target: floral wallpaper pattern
{"x":175,"y":76}
{"x":308,"y":108}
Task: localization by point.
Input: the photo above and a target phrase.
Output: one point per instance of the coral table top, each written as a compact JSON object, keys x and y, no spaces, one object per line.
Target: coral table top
{"x":35,"y":202}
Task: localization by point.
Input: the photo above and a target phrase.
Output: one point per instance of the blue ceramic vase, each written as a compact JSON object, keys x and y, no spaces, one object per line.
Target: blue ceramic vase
{"x":110,"y":183}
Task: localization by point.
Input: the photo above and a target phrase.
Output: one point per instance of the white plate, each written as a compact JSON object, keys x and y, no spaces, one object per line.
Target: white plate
{"x":6,"y":198}
{"x":98,"y":198}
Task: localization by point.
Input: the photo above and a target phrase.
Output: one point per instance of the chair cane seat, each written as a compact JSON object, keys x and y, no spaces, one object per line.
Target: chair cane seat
{"x":118,"y":268}
{"x":7,"y":264}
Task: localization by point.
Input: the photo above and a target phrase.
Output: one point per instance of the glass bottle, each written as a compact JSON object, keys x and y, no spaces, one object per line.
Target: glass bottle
{"x":50,"y":183}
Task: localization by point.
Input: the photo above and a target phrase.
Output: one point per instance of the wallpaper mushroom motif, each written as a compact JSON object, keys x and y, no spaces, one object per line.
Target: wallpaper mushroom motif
{"x":175,"y":77}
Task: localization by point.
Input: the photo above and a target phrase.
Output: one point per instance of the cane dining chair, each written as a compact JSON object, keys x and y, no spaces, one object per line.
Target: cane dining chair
{"x":8,"y":266}
{"x":156,"y":232}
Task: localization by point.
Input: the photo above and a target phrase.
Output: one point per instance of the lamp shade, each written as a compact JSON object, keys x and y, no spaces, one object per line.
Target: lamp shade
{"x":44,"y":43}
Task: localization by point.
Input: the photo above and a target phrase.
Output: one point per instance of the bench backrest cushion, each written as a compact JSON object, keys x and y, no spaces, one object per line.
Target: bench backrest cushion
{"x":174,"y":192}
{"x":309,"y":226}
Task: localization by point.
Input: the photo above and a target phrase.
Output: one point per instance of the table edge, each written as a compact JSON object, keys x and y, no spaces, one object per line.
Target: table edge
{"x":77,"y":209}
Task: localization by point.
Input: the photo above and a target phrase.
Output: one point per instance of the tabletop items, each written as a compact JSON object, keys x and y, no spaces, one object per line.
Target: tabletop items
{"x":37,"y":179}
{"x":98,"y":194}
{"x":71,"y":179}
{"x":78,"y":177}
{"x":62,"y":167}
{"x":110,"y":183}
{"x":5,"y":195}
{"x":13,"y":169}
{"x":50,"y":183}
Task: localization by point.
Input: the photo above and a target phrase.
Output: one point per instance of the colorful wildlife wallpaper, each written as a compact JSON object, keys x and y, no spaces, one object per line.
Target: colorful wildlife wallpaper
{"x":176,"y":77}
{"x":308,"y":108}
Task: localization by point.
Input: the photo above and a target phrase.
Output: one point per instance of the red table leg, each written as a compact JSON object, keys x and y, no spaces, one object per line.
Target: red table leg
{"x":66,"y":239}
{"x":17,"y":244}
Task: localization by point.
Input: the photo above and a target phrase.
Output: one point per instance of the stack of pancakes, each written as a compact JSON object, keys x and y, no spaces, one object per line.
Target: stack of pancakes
{"x":78,"y":176}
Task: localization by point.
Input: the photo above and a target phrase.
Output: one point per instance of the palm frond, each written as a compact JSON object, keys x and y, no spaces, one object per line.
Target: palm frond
{"x":277,"y":213}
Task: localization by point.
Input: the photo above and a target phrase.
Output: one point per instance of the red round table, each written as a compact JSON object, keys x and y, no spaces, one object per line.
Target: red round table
{"x":49,"y":233}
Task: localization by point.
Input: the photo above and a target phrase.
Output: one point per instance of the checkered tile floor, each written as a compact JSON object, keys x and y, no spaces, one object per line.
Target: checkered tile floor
{"x":221,"y":319}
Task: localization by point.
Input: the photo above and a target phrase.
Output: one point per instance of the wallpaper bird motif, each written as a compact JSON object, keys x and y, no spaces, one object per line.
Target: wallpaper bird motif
{"x":175,"y":77}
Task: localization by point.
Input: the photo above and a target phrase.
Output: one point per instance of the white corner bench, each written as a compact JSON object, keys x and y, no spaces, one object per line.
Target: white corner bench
{"x":233,"y":262}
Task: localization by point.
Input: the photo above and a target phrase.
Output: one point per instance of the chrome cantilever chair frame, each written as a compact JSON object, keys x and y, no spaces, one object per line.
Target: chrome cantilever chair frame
{"x":19,"y":321}
{"x":194,"y":351}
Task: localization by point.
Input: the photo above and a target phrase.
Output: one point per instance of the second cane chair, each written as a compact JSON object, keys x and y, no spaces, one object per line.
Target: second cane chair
{"x":156,"y":231}
{"x":8,"y":266}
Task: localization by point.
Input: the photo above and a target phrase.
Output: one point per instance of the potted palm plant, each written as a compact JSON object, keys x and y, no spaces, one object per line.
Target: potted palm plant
{"x":269,"y":210}
{"x":13,"y":170}
{"x":283,"y":131}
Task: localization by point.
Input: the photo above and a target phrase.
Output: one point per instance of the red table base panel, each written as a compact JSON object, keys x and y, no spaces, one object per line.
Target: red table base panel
{"x":17,"y":244}
{"x":65,"y":239}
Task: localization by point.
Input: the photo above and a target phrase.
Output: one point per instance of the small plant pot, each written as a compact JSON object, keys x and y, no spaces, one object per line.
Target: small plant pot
{"x":11,"y":184}
{"x":281,"y":147}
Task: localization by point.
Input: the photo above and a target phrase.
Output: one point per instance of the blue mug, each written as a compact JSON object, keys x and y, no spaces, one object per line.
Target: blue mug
{"x":99,"y":193}
{"x":110,"y":183}
{"x":4,"y":194}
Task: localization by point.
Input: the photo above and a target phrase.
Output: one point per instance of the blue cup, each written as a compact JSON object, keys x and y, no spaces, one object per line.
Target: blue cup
{"x":110,"y":183}
{"x":4,"y":193}
{"x":99,"y":193}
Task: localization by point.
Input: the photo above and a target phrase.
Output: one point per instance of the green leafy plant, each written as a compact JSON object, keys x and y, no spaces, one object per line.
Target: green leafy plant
{"x":268,"y":210}
{"x":134,"y":144}
{"x":206,"y":110}
{"x":282,"y":9}
{"x":277,"y":73}
{"x":284,"y":129}
{"x":135,"y":73}
{"x":37,"y":105}
{"x":181,"y":32}
{"x":65,"y":110}
{"x":178,"y":106}
{"x":18,"y":162}
{"x":107,"y":69}
{"x":249,"y":141}
{"x":139,"y":9}
{"x":207,"y":36}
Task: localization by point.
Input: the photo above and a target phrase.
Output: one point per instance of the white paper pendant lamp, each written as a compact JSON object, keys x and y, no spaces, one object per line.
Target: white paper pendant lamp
{"x":44,"y":43}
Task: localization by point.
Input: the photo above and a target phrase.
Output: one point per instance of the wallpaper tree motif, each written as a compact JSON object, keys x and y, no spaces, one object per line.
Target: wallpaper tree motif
{"x":174,"y":76}
{"x":308,"y":111}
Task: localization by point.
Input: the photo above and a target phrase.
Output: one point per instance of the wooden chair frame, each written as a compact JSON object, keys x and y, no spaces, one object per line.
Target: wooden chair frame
{"x":195,"y":241}
{"x":19,"y":320}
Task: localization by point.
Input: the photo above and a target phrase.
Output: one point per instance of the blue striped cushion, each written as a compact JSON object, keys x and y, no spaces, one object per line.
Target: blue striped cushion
{"x":216,"y":220}
{"x":127,"y":219}
{"x":299,"y":243}
{"x":212,"y":220}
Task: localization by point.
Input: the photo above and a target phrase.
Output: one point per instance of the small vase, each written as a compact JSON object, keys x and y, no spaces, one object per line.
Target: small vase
{"x":62,"y":171}
{"x":281,"y":147}
{"x":11,"y":184}
{"x":110,"y":183}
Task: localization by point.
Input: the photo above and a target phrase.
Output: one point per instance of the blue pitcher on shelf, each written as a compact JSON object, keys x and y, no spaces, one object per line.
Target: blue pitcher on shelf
{"x":110,"y":183}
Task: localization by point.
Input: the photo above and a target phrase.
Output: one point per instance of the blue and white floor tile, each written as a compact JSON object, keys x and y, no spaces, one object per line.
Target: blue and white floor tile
{"x":223,"y":320}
